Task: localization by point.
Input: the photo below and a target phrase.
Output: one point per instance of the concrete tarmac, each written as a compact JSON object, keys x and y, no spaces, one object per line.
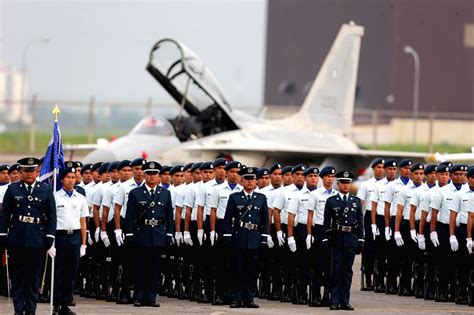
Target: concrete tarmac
{"x":363,"y":302}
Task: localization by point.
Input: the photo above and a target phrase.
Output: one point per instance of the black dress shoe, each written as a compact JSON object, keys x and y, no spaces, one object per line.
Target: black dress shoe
{"x":379,"y":289}
{"x":18,"y":313}
{"x":251,"y":305}
{"x":72,"y":303}
{"x":392,"y":290}
{"x":66,"y":311}
{"x":138,"y":304}
{"x":153,"y":304}
{"x":346,"y":307}
{"x":334,"y":307}
{"x":234,"y":304}
{"x":316,"y":303}
{"x":218,"y":301}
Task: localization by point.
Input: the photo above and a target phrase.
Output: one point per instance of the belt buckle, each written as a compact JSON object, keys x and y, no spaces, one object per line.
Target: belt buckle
{"x":69,"y":232}
{"x":30,"y":220}
{"x":346,"y":228}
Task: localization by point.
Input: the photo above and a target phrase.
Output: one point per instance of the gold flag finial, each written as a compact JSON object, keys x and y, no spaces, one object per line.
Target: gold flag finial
{"x":56,"y":111}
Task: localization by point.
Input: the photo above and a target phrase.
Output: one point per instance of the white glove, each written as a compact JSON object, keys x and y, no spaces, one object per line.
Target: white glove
{"x":434,"y":238}
{"x":398,"y":238}
{"x":421,"y":242}
{"x":454,"y":243}
{"x":96,"y":234}
{"x":178,"y":236}
{"x":309,"y":241}
{"x":213,"y":236}
{"x":469,"y":245}
{"x":388,"y":233}
{"x":89,"y":239}
{"x":281,"y":238}
{"x":52,"y":251}
{"x":187,"y":238}
{"x":105,"y":238}
{"x":83,"y":250}
{"x":292,"y":244}
{"x":375,"y":230}
{"x":270,"y":243}
{"x":413,"y":235}
{"x":200,"y":236}
{"x":119,"y":237}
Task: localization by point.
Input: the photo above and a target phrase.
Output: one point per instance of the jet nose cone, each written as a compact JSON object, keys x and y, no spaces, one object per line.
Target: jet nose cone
{"x":100,"y":155}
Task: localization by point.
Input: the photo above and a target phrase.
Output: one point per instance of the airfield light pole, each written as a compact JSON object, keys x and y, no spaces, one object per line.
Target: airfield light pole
{"x":416,"y":88}
{"x":23,"y":101}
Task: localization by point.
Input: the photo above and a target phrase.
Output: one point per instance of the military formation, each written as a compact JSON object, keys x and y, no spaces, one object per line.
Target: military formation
{"x":221,"y":232}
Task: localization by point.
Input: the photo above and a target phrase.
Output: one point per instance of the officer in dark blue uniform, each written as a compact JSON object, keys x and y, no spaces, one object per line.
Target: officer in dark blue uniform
{"x":27,"y":227}
{"x":149,"y":222}
{"x":246,"y":227}
{"x":344,"y":225}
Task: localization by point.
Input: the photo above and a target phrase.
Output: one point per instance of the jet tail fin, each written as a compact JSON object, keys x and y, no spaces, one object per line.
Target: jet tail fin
{"x":329,"y":104}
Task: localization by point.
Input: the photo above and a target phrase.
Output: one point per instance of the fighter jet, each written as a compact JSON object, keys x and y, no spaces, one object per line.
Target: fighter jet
{"x":208,"y":127}
{"x":317,"y":134}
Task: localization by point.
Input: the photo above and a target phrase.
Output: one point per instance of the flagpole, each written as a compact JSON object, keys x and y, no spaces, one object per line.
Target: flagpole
{"x":56,"y":113}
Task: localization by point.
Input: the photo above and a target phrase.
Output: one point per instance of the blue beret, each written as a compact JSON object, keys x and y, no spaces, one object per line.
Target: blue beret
{"x":70,"y":164}
{"x":123,"y":164}
{"x":442,"y":169}
{"x":96,"y":166}
{"x":29,"y":163}
{"x":137,"y":162}
{"x":14,"y":167}
{"x":196,"y":166}
{"x":248,"y":172}
{"x":470,"y":171}
{"x":390,"y":163}
{"x":113,"y":166}
{"x":233,"y":164}
{"x":458,"y":167}
{"x":311,"y":170}
{"x":297,"y":168}
{"x":151,"y":167}
{"x":345,"y":176}
{"x":327,"y":170}
{"x":376,"y":162}
{"x":66,"y":171}
{"x":165,"y":168}
{"x":430,"y":168}
{"x":176,"y":169}
{"x":4,"y":167}
{"x":262,"y":172}
{"x":274,"y":167}
{"x":104,"y":168}
{"x":446,"y":163}
{"x":405,"y":162}
{"x":86,"y":167}
{"x":286,"y":169}
{"x":79,"y":164}
{"x":219,"y":162}
{"x":206,"y":166}
{"x":417,"y":166}
{"x":188,"y":166}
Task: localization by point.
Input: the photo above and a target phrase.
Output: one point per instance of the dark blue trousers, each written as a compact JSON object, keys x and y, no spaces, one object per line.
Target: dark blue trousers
{"x":245,"y":280}
{"x":342,"y":274}
{"x":147,"y":273}
{"x":25,"y":266}
{"x":66,"y":265}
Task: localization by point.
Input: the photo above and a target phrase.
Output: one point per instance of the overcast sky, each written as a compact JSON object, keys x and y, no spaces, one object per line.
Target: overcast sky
{"x":101,"y":47}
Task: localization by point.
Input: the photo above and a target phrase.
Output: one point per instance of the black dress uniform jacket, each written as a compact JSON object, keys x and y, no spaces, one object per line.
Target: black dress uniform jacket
{"x":142,"y":206}
{"x":340,"y":214}
{"x":241,"y":211}
{"x":40,"y":205}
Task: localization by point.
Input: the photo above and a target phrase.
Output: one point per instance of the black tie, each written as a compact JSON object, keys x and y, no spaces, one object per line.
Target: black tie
{"x":344,"y":199}
{"x":28,"y":189}
{"x":152,"y":192}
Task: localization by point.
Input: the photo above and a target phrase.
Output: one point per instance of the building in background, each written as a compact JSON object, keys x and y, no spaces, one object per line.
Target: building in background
{"x":300,"y":33}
